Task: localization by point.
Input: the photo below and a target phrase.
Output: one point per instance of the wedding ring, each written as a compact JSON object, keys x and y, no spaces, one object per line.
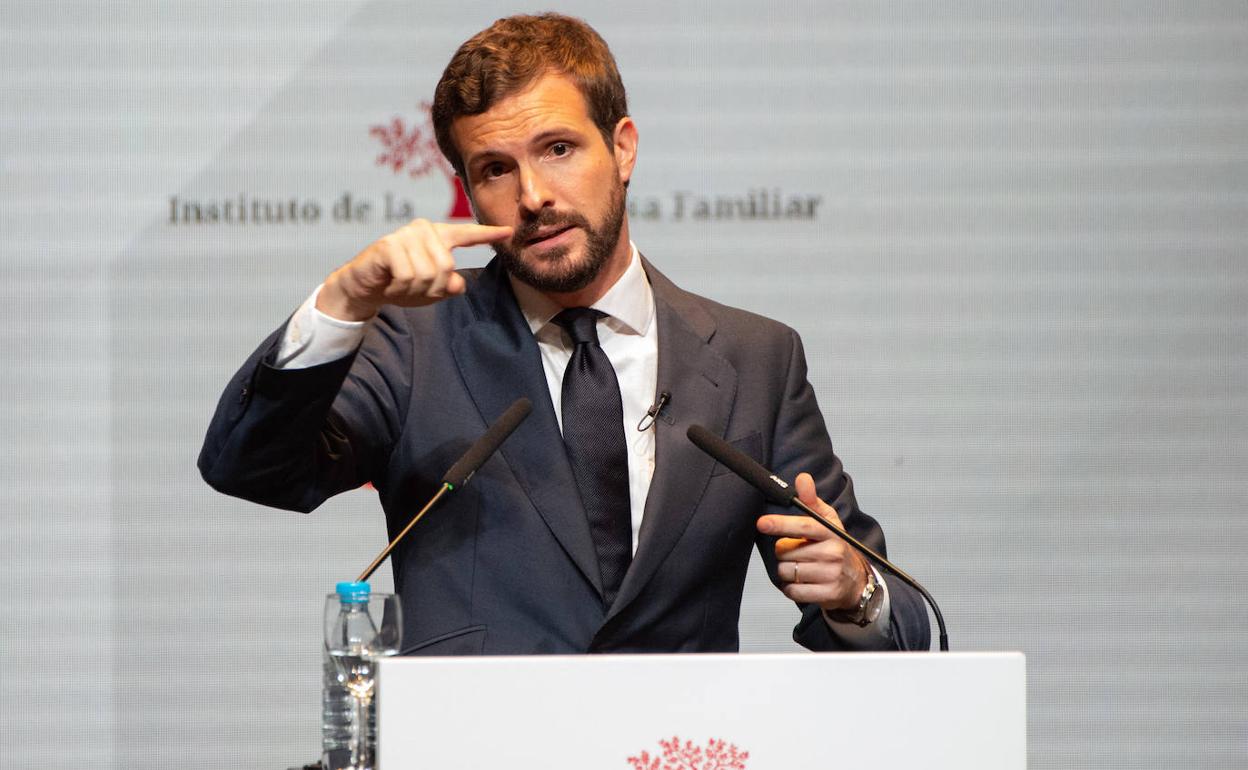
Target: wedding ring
{"x":796,"y":579}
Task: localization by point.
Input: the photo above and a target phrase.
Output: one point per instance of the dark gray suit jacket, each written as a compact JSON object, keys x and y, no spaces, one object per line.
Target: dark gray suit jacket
{"x":506,"y":564}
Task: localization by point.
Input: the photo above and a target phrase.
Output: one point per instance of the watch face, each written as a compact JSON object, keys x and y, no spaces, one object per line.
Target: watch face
{"x":874,"y":605}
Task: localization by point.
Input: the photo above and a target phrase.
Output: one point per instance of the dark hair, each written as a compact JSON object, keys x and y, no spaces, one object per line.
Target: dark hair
{"x":514,"y":52}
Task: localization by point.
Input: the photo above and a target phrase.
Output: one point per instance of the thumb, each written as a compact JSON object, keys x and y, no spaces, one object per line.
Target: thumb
{"x":455,"y":285}
{"x":805,"y":484}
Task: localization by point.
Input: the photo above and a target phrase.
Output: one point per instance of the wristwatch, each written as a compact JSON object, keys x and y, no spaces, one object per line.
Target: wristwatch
{"x":870,"y":602}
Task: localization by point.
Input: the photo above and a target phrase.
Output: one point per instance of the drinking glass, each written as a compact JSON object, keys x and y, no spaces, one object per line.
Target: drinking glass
{"x":374,"y":634}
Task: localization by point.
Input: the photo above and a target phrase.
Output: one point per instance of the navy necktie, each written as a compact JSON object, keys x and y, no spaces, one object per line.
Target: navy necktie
{"x":593,"y":432}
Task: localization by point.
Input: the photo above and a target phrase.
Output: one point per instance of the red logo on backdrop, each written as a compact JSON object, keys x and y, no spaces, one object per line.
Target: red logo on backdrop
{"x":415,"y":149}
{"x":674,"y":755}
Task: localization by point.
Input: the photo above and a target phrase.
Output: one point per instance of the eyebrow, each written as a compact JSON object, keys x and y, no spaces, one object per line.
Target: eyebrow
{"x":552,"y":133}
{"x":543,"y":137}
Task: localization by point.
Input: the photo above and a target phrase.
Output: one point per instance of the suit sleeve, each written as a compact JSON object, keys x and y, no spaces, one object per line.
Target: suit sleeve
{"x":292,"y":438}
{"x":801,"y":444}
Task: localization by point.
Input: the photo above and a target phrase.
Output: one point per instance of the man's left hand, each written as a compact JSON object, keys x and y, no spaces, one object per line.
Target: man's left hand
{"x":815,"y":566}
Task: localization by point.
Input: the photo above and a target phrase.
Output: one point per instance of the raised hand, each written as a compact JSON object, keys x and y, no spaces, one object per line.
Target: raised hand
{"x":411,"y":266}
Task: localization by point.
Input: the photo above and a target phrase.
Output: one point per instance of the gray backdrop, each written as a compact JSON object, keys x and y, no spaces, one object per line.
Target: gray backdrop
{"x":1021,"y":282}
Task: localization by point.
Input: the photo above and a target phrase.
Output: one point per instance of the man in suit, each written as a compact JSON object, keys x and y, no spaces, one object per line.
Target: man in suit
{"x":590,"y":531}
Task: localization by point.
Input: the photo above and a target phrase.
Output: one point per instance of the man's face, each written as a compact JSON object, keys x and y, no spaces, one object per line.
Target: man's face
{"x":536,"y":161}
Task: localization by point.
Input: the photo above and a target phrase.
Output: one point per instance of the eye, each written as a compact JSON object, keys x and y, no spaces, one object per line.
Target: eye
{"x":493,"y":170}
{"x":560,"y":149}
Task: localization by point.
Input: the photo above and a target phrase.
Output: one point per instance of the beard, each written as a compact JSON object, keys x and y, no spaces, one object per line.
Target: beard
{"x":558,"y":271}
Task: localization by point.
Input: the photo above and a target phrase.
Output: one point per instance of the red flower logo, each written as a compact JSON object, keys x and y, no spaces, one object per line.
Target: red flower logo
{"x":415,"y":149}
{"x":674,"y":755}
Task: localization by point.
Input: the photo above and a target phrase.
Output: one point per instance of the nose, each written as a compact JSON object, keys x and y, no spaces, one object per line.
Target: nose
{"x":534,"y":191}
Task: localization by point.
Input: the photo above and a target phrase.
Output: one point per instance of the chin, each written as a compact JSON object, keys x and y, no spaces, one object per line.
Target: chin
{"x":560,"y":257}
{"x":560,"y":271}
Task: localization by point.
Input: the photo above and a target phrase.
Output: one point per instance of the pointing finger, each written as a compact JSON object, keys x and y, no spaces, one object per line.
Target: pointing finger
{"x":802,"y":527}
{"x":456,"y":235}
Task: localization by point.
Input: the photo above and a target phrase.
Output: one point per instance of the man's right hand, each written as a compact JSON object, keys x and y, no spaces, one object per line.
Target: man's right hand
{"x":411,"y":266}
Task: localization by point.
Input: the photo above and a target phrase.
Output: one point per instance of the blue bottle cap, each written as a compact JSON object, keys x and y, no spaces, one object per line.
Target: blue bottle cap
{"x":353,"y":593}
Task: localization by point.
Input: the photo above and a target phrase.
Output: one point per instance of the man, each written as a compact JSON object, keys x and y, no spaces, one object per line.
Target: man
{"x":590,"y":531}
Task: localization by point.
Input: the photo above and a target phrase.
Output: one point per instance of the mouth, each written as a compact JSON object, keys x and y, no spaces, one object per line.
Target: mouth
{"x":547,"y":235}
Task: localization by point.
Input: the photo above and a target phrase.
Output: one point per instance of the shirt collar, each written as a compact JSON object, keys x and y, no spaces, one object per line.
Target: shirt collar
{"x":630,"y":301}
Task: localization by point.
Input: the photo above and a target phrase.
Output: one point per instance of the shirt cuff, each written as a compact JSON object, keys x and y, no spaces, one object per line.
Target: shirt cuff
{"x":877,"y":635}
{"x":313,"y":338}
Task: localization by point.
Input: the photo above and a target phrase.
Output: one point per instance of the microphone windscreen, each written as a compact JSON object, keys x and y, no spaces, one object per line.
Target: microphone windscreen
{"x":489,"y":442}
{"x":773,"y":488}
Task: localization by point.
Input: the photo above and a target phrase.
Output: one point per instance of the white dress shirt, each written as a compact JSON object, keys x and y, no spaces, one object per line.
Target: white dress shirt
{"x":629,"y":336}
{"x":628,"y":333}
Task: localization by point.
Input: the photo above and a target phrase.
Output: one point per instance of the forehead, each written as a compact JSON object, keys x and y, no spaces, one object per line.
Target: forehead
{"x":550,"y":103}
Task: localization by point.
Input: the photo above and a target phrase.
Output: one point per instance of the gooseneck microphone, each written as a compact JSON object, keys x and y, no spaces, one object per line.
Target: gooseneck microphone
{"x":780,"y":492}
{"x":462,"y":470}
{"x":488,"y":444}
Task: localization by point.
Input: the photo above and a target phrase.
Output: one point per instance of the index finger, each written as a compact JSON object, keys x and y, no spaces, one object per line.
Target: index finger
{"x":780,"y":525}
{"x":470,"y":234}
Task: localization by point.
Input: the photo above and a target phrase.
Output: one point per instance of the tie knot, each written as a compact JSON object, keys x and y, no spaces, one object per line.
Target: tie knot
{"x":581,"y":323}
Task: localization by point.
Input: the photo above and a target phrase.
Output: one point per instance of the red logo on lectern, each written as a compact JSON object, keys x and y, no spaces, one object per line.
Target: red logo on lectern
{"x":674,"y":755}
{"x":415,"y":149}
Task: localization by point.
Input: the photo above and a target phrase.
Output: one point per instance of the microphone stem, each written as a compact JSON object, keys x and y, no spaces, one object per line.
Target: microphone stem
{"x":866,"y":550}
{"x":386,"y":551}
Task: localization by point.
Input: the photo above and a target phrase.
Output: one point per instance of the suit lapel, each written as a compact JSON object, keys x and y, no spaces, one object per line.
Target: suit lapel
{"x":703,"y":387}
{"x":499,"y":361}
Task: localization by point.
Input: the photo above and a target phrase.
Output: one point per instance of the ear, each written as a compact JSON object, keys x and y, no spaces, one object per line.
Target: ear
{"x":624,"y":145}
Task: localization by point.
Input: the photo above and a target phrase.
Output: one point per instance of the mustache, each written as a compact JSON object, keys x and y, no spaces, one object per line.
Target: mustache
{"x":546,"y":218}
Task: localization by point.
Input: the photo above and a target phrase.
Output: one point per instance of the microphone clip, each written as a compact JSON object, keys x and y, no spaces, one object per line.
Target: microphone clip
{"x":654,"y":411}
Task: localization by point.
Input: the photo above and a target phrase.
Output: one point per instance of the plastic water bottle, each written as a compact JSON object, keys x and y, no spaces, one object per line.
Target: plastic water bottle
{"x":348,"y":628}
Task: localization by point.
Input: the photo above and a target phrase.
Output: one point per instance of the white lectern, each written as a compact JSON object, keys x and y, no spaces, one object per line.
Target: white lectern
{"x":697,"y":712}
